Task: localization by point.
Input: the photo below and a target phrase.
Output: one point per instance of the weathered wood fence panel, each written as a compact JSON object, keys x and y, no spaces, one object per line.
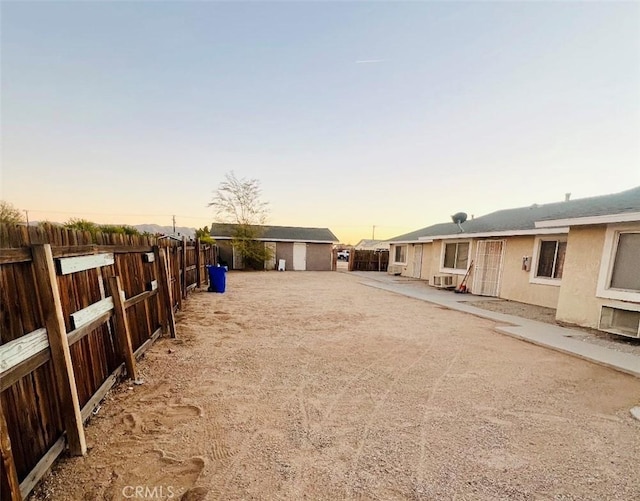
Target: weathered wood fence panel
{"x":368,"y":260}
{"x":102,"y":330}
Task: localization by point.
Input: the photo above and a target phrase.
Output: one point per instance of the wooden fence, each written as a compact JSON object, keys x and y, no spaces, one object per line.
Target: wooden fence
{"x":76,"y":310}
{"x":368,"y":260}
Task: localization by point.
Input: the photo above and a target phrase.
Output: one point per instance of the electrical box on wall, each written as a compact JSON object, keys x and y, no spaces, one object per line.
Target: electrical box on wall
{"x":526,"y":263}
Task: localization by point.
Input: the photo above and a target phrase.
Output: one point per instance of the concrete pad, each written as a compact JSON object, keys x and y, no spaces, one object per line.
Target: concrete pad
{"x":540,"y":333}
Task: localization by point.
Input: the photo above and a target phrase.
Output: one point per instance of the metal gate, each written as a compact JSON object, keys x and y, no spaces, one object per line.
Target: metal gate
{"x":488,"y":267}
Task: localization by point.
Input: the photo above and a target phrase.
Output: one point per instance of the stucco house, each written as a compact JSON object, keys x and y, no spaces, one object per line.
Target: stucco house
{"x":301,"y":248}
{"x":580,"y":257}
{"x":374,"y":245}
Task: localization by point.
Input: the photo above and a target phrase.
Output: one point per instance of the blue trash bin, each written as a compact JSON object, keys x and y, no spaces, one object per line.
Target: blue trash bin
{"x":217,"y":278}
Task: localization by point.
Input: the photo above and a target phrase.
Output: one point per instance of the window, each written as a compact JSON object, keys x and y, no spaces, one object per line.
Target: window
{"x":551,"y":258}
{"x":401,"y":254}
{"x":456,"y":255}
{"x":619,"y":276}
{"x":625,"y":273}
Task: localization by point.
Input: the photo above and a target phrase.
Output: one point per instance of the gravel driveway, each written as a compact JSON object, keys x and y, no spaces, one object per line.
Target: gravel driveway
{"x":312,"y":386}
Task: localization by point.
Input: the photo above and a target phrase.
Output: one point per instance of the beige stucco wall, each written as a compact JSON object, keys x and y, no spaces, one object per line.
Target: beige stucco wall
{"x":436,"y":260}
{"x":427,"y":259}
{"x":392,"y":262}
{"x":406,"y":272}
{"x":578,"y":303}
{"x":514,"y":283}
{"x":407,"y":268}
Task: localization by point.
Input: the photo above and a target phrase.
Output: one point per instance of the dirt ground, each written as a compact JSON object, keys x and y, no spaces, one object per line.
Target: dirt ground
{"x":313,"y":386}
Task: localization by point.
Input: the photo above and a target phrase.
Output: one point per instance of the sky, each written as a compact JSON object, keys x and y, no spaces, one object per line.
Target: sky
{"x":369,"y":118}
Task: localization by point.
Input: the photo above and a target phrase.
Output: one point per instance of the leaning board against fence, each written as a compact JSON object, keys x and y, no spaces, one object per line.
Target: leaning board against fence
{"x":75,"y":311}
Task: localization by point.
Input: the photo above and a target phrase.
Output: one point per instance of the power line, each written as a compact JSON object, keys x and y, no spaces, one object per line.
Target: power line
{"x":113,"y":214}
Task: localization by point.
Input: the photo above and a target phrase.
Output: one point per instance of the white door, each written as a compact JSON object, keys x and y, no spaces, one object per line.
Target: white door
{"x":299,"y":256}
{"x":270,"y":264}
{"x":417,"y":261}
{"x":488,"y":268}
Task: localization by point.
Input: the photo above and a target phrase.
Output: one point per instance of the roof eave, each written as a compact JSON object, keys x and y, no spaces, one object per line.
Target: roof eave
{"x":624,"y":217}
{"x":262,"y":239}
{"x":503,"y":233}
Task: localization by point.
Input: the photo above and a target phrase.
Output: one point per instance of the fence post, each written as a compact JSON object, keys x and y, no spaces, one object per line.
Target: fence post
{"x":123,"y":334}
{"x":58,"y":343}
{"x":165,"y":290}
{"x":161,"y":290}
{"x":184,"y":267}
{"x":198,"y":262}
{"x":9,"y":483}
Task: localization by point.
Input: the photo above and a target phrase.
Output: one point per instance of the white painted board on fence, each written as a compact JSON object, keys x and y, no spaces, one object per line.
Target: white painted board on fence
{"x":281,"y":263}
{"x":153,"y":285}
{"x":148,"y":257}
{"x":91,"y":312}
{"x":68,"y":265}
{"x":23,"y":348}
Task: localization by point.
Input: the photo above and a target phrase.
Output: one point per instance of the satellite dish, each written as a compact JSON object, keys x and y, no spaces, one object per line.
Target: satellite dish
{"x":459,"y":218}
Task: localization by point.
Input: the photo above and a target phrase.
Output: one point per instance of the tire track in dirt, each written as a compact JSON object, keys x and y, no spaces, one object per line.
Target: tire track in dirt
{"x":398,"y":376}
{"x":354,"y":379}
{"x":246,"y":445}
{"x":427,"y":411}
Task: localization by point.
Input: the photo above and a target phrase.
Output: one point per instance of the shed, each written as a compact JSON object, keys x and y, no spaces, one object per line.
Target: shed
{"x":301,"y":248}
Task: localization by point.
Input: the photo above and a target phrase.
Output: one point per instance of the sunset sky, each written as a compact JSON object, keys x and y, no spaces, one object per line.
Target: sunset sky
{"x":350,"y":114}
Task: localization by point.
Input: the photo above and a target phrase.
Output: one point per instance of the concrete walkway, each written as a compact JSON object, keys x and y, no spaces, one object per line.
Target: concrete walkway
{"x":540,"y":333}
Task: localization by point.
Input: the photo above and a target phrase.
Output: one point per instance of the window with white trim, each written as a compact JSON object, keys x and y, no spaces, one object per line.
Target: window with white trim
{"x":625,"y":270}
{"x":400,"y":255}
{"x":456,"y":255}
{"x":551,"y":254}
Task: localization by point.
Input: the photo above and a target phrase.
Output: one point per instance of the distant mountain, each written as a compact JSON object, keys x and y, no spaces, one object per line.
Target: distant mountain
{"x":166,"y":230}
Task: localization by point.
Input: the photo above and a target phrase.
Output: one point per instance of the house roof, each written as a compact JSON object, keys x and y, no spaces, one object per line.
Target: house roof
{"x":224,"y":231}
{"x":525,"y":218}
{"x":372,"y":244}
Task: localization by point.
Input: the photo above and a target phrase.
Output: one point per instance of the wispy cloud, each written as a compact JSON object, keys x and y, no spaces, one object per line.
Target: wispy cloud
{"x":369,"y":61}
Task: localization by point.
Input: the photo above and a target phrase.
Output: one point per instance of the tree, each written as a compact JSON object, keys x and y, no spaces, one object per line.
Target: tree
{"x":238,"y":202}
{"x":93,"y":228}
{"x":204,"y":235}
{"x":82,"y":225}
{"x":9,"y":213}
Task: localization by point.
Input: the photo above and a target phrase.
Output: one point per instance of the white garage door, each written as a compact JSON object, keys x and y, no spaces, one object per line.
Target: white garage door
{"x":299,"y":257}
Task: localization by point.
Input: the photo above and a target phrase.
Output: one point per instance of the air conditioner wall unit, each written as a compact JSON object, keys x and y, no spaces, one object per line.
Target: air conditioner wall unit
{"x":443,"y":281}
{"x":395,"y":269}
{"x":620,"y":321}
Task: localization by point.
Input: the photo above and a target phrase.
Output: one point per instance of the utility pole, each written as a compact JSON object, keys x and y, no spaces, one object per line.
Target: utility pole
{"x":26,"y":212}
{"x":174,"y":224}
{"x":373,"y":234}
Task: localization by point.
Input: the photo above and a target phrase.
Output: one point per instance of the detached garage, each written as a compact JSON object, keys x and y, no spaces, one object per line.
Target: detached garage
{"x":301,"y":249}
